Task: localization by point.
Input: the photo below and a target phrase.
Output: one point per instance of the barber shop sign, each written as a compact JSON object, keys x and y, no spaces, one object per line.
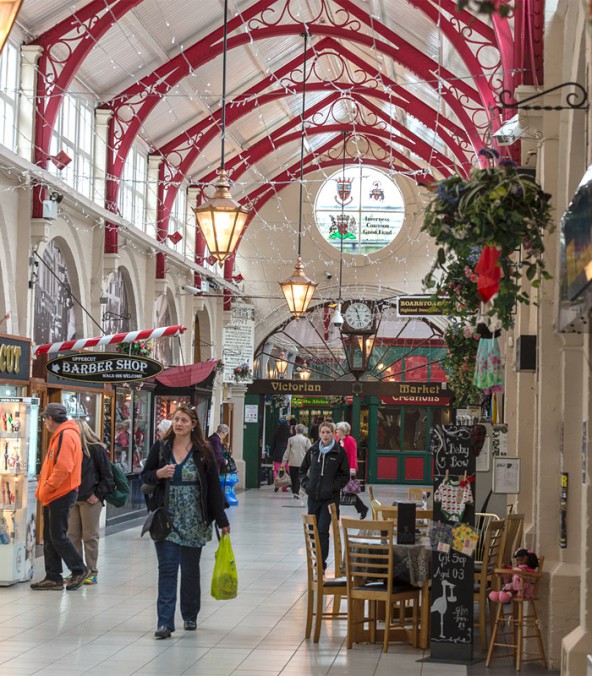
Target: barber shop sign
{"x":103,"y":367}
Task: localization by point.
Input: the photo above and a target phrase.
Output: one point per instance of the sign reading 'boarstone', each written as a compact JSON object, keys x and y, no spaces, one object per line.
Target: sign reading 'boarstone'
{"x":103,"y":367}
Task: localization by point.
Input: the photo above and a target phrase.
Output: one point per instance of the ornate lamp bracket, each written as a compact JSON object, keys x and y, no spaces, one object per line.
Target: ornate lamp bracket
{"x":576,"y":100}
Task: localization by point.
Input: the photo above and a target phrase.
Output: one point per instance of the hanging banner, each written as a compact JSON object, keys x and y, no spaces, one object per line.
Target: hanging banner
{"x":103,"y":367}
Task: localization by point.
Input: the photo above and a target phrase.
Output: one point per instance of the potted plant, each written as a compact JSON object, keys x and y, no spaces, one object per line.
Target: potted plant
{"x":142,"y":348}
{"x":462,"y":342}
{"x":242,"y":372}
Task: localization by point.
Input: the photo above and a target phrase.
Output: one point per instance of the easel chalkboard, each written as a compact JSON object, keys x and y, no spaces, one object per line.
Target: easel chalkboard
{"x":452,"y":583}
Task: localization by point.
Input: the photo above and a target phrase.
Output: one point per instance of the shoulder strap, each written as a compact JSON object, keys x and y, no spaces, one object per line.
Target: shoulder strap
{"x":59,"y":445}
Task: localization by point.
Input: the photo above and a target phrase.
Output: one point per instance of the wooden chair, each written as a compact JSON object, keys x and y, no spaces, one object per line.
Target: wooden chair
{"x":384,"y":512}
{"x":520,"y":618}
{"x":415,"y":494}
{"x":374,"y":503}
{"x":482,"y":520}
{"x":423,"y":521}
{"x":369,"y":572}
{"x":484,"y":578}
{"x":318,"y":586}
{"x":337,"y":554}
{"x":512,"y":538}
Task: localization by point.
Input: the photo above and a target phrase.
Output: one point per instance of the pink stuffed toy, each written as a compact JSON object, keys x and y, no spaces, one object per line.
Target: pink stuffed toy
{"x":517,"y":586}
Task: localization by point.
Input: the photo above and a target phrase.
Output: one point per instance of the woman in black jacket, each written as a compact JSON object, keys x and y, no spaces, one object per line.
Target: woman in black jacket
{"x":323,"y":473}
{"x":184,"y":459}
{"x":96,"y":481}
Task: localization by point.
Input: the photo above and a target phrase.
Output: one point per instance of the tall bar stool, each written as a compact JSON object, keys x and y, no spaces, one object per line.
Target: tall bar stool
{"x":514,"y":620}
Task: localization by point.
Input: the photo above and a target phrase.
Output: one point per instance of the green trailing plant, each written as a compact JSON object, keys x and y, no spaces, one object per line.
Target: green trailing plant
{"x":462,"y":342}
{"x":496,"y":206}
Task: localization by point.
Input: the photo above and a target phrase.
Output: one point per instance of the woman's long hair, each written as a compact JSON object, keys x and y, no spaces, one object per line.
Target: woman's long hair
{"x":87,"y":436}
{"x":197,"y":436}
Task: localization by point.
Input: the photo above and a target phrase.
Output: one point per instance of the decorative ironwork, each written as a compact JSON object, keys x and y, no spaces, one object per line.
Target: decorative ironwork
{"x":577,"y":100}
{"x":110,"y":316}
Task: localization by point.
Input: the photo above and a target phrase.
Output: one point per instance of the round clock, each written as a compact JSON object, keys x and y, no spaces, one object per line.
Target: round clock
{"x":358,"y":316}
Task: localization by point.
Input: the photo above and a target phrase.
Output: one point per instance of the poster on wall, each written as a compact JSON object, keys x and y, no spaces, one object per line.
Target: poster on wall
{"x":506,"y":475}
{"x":55,"y":319}
{"x":239,"y":345}
{"x":116,"y":314}
{"x":164,"y":348}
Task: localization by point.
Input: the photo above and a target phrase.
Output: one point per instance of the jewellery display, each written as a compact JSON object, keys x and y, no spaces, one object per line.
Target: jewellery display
{"x":18,"y":443}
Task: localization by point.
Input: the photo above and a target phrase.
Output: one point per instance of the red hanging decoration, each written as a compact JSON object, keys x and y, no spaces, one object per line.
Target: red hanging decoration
{"x":489,"y":273}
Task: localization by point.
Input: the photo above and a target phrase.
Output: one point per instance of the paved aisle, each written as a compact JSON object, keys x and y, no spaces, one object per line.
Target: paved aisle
{"x":107,"y":630}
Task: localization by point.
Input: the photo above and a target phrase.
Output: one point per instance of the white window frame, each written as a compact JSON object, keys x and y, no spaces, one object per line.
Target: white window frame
{"x":133,"y":186}
{"x":9,"y":88}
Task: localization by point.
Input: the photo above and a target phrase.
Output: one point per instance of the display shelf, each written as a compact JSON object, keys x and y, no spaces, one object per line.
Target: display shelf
{"x":18,"y":445}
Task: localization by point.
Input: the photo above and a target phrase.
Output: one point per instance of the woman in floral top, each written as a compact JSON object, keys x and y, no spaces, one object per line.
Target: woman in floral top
{"x":195,"y":499}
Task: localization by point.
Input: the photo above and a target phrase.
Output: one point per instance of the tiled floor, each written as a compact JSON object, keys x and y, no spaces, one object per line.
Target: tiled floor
{"x":108,"y":629}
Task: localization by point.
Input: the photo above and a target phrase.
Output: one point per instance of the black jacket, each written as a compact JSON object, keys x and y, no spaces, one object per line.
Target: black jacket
{"x":324,"y":475}
{"x":279,"y":443}
{"x":97,"y":475}
{"x":212,"y":499}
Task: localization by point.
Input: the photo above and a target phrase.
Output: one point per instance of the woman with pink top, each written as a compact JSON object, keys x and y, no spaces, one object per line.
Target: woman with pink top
{"x":344,"y":438}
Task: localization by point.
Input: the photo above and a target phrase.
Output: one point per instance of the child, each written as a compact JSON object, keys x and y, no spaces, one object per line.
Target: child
{"x":518,"y":586}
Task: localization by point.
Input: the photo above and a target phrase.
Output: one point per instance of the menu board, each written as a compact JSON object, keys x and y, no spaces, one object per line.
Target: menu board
{"x":452,"y":584}
{"x":239,"y":344}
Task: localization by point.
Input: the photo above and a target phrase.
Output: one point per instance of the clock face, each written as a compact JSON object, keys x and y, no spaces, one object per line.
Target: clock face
{"x":358,"y":316}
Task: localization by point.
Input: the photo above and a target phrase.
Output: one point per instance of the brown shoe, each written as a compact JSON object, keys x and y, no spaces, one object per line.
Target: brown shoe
{"x":78,"y":579}
{"x":46,"y":583}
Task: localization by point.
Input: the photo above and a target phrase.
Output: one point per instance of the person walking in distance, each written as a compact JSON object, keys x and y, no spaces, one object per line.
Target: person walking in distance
{"x":294,"y":455}
{"x":342,"y":432}
{"x":323,"y":473}
{"x":216,"y":440}
{"x":57,"y":491}
{"x":279,"y":443}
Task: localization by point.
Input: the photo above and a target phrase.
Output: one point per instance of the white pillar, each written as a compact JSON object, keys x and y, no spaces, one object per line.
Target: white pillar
{"x":102,"y":118}
{"x":26,"y":107}
{"x":154,"y":162}
{"x":237,"y":399}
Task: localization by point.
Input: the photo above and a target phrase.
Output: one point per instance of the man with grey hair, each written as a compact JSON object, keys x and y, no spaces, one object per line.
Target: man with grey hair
{"x":294,"y":455}
{"x":216,"y":440}
{"x":57,"y":490}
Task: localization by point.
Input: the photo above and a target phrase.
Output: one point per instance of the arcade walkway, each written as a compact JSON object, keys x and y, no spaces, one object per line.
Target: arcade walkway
{"x":108,"y":629}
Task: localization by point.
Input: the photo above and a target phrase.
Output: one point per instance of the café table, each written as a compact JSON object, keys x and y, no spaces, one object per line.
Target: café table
{"x":412,"y":564}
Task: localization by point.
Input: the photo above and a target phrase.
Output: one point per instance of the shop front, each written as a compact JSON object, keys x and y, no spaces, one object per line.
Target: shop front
{"x":390,"y":420}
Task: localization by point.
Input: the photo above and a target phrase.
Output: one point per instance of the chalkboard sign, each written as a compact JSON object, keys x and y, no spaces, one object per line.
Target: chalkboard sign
{"x":452,"y":583}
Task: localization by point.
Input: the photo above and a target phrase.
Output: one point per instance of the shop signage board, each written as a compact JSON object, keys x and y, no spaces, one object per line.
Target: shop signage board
{"x":15,"y":356}
{"x":420,"y":306}
{"x":424,"y":394}
{"x":103,"y":367}
{"x":239,"y":342}
{"x":453,"y":572}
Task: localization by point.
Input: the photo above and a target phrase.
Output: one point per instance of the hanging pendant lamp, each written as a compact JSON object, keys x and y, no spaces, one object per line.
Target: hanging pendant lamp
{"x":8,"y":11}
{"x":222,"y":219}
{"x":298,"y":289}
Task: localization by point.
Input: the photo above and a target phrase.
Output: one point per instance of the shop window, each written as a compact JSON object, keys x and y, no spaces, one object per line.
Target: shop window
{"x":389,"y":428}
{"x":85,"y":405}
{"x":9,"y":86}
{"x":131,"y":440}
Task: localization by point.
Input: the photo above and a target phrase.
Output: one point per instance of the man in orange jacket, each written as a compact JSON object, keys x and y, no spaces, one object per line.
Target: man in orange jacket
{"x":58,"y":491}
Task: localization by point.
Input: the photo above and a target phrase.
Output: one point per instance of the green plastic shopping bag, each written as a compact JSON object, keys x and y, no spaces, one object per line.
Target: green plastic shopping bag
{"x":225,"y":577}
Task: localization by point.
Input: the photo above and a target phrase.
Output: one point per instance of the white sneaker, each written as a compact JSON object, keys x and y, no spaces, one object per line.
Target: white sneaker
{"x":296,"y":497}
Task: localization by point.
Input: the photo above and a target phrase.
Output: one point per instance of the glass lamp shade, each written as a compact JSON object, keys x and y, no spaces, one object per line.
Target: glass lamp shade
{"x":281,"y":365}
{"x":304,"y":373}
{"x":8,"y":11}
{"x":221,"y":220}
{"x":298,"y":290}
{"x":358,"y":348}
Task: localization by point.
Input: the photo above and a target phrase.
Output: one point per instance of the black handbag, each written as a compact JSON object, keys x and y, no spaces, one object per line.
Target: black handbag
{"x":158,"y":523}
{"x":347,"y":499}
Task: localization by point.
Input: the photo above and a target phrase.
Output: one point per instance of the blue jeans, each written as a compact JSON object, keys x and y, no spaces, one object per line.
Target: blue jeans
{"x":320,"y":508}
{"x":56,"y":543}
{"x":170,"y":556}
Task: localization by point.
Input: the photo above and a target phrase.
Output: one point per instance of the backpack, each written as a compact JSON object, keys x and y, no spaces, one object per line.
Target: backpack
{"x":118,"y":496}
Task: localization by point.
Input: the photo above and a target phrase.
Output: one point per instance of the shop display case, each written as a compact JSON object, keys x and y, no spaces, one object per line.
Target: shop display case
{"x":18,"y":449}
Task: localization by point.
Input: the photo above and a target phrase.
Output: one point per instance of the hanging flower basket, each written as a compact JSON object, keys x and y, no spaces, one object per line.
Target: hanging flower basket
{"x":496,"y":207}
{"x":142,"y":348}
{"x":242,"y":372}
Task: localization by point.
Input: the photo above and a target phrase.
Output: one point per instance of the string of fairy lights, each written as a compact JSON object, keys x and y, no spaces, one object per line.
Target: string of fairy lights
{"x":275,"y":224}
